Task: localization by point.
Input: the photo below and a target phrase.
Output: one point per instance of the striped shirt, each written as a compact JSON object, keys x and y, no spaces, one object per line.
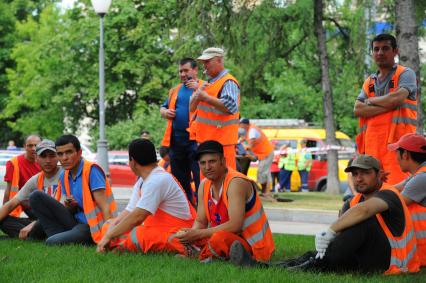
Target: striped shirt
{"x":230,"y":93}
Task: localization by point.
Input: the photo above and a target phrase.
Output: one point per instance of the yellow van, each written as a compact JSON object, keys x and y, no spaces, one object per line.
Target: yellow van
{"x":292,"y":132}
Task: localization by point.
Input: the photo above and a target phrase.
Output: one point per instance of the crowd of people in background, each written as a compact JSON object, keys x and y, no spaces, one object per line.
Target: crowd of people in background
{"x":195,"y":203}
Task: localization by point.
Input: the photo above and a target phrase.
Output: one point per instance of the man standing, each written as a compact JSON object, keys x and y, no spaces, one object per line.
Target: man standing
{"x":157,"y":208}
{"x":19,"y":169}
{"x":263,"y":149}
{"x":217,"y":105}
{"x":88,"y":200}
{"x":304,"y":164}
{"x":411,"y":156}
{"x":386,"y":106}
{"x":229,"y":211}
{"x":178,"y":135}
{"x":45,"y":181}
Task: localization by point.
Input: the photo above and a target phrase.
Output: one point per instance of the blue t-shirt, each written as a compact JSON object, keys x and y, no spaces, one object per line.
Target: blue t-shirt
{"x":181,"y":120}
{"x":96,"y":182}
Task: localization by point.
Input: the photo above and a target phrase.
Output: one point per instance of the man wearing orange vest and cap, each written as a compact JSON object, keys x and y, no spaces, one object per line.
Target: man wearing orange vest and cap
{"x":264,"y":151}
{"x":386,"y":107}
{"x":374,"y":234}
{"x":180,"y":133}
{"x":157,"y":208}
{"x":217,"y":105}
{"x":229,"y":213}
{"x":19,"y":169}
{"x":45,"y":181}
{"x":86,"y":196}
{"x":411,"y":156}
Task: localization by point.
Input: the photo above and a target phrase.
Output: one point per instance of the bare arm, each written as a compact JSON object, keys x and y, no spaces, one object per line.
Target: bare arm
{"x":359,"y":213}
{"x":101,"y":201}
{"x":391,"y":100}
{"x":363,"y":110}
{"x":8,"y":207}
{"x":7,"y":192}
{"x":201,"y":220}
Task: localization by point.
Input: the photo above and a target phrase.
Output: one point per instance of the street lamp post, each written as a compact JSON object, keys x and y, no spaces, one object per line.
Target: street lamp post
{"x":101,"y":8}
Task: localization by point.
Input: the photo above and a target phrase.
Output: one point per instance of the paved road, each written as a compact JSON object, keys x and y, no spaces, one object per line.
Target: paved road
{"x":282,"y":221}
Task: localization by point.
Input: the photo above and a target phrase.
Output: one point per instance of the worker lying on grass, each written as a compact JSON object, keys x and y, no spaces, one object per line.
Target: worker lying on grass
{"x":229,"y":214}
{"x":156,"y":210}
{"x":374,"y":234}
{"x":86,"y":197}
{"x":46,"y":181}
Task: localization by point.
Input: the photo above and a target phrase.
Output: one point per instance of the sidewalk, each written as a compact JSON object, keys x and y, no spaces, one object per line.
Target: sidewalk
{"x":281,"y":220}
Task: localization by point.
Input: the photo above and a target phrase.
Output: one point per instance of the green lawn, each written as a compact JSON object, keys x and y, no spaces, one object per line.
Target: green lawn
{"x":33,"y":262}
{"x":311,"y":200}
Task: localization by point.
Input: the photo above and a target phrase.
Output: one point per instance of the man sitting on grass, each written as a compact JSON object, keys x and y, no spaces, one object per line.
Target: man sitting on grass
{"x":88,"y":199}
{"x":374,"y":234}
{"x":229,"y":214}
{"x":46,"y":181}
{"x":157,"y":209}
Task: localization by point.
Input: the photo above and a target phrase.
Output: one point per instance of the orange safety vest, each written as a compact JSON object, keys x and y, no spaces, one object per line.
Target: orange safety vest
{"x":262,"y":147}
{"x":403,"y":119}
{"x":173,"y":94}
{"x":213,"y":124}
{"x":93,"y":214}
{"x":418,"y":215}
{"x":15,"y":187}
{"x":255,"y":229}
{"x":404,"y":256}
{"x":162,"y":164}
{"x":40,"y":185}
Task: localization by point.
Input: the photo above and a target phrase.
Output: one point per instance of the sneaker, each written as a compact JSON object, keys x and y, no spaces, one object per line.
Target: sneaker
{"x":239,"y":256}
{"x":310,"y":264}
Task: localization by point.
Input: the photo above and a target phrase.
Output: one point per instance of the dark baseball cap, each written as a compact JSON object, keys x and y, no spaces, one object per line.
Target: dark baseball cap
{"x":208,"y":147}
{"x":411,"y":142}
{"x":245,"y":121}
{"x":364,"y":161}
{"x":45,"y":145}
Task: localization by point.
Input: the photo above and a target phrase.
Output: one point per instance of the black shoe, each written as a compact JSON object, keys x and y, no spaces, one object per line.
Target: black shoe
{"x":305,"y":266}
{"x":240,"y":257}
{"x":295,"y":261}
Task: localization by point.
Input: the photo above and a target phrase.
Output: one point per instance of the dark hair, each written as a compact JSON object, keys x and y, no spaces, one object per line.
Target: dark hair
{"x":191,"y":61}
{"x":385,"y":37}
{"x":144,"y":132}
{"x":142,"y":151}
{"x":163,"y":151}
{"x":418,"y":157}
{"x":66,"y":139}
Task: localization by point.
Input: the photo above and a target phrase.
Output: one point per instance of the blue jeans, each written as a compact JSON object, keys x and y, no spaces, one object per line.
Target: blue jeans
{"x":304,"y":179}
{"x":285,"y":179}
{"x":182,"y":163}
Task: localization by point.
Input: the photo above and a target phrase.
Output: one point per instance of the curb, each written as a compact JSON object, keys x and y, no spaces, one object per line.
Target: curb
{"x":301,"y":215}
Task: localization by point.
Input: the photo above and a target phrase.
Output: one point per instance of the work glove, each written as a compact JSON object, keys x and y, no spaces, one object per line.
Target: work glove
{"x":322,"y":240}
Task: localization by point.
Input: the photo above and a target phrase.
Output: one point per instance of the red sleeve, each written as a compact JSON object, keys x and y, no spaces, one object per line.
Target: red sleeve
{"x":9,"y":172}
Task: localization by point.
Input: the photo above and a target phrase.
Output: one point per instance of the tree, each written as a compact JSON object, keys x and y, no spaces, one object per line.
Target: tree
{"x":406,"y":32}
{"x":333,"y":185}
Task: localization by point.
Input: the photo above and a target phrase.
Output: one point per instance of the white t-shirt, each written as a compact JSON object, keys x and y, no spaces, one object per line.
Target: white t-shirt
{"x":31,"y":186}
{"x":159,"y":190}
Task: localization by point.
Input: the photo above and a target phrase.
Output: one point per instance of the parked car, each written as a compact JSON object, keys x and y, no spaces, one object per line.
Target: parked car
{"x":6,"y":155}
{"x":280,"y":134}
{"x":120,"y":172}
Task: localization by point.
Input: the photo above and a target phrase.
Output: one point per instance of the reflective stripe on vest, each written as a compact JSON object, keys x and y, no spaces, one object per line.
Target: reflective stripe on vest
{"x":15,"y":187}
{"x":404,"y":117}
{"x":94,"y":216}
{"x":255,"y":228}
{"x":404,"y":256}
{"x":213,"y":124}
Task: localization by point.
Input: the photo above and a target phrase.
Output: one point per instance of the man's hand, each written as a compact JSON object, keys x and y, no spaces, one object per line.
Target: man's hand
{"x":322,"y":240}
{"x":383,"y":175}
{"x":168,"y":113}
{"x":188,"y":236}
{"x":103,"y":244}
{"x":23,"y":233}
{"x":70,"y":201}
{"x":192,"y":84}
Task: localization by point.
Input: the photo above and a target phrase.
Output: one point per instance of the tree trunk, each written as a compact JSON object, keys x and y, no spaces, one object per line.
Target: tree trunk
{"x":406,"y":33}
{"x":333,"y":184}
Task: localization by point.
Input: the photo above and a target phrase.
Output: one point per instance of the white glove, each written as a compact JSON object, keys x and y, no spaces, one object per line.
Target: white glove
{"x":322,"y":240}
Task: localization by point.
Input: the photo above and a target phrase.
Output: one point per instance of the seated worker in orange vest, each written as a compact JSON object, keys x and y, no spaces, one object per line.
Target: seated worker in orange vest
{"x":374,"y":233}
{"x":157,"y":208}
{"x":86,"y":196}
{"x":19,"y":170}
{"x":264,"y":150}
{"x":45,"y":181}
{"x":217,"y":105}
{"x":411,"y":156}
{"x":229,"y":212}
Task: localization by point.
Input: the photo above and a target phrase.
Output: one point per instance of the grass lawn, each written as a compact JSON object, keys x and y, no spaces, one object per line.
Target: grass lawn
{"x":33,"y":262}
{"x":311,"y":200}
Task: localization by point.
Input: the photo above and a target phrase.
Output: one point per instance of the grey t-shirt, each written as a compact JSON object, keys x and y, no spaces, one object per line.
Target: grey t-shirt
{"x":415,"y":188}
{"x":31,"y":186}
{"x":406,"y":80}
